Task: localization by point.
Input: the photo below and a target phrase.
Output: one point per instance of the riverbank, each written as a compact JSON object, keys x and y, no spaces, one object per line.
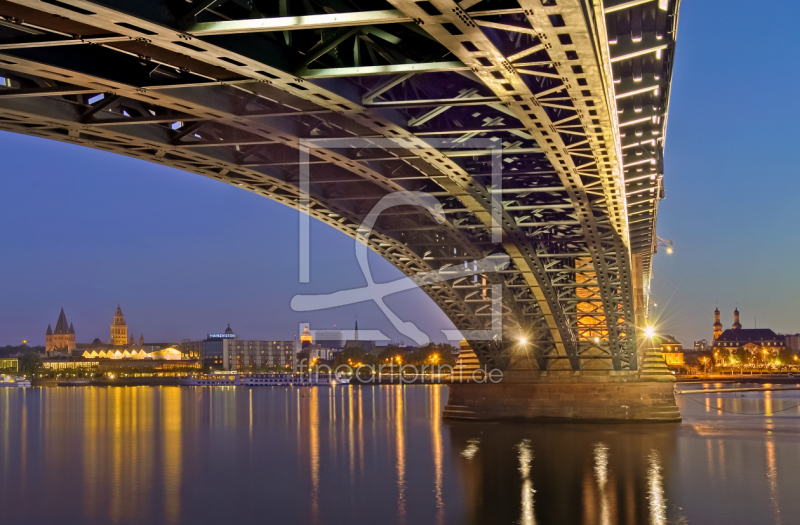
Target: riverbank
{"x":122,"y":381}
{"x":745,"y":378}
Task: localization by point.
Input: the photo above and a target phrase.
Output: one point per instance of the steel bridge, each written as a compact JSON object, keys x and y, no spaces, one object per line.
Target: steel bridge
{"x":538,"y":125}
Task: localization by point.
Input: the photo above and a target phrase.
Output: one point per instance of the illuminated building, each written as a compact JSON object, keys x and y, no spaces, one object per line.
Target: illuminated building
{"x":242,"y":355}
{"x":64,"y":363}
{"x":154,"y":362}
{"x":169,"y":354}
{"x":9,"y":365}
{"x":159,"y":359}
{"x":319,"y":353}
{"x":119,"y":330}
{"x":227,"y":352}
{"x":671,"y":350}
{"x":306,"y":337}
{"x":717,"y":324}
{"x":756,"y":341}
{"x":210,"y":350}
{"x":62,"y":339}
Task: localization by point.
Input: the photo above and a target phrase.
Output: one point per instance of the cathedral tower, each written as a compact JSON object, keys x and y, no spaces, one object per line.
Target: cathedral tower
{"x":736,"y":324}
{"x":62,"y":338}
{"x":119,"y":330}
{"x":717,"y":324}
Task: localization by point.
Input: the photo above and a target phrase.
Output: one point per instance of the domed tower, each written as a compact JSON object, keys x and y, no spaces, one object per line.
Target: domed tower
{"x":736,"y":324}
{"x":119,"y":330}
{"x":717,"y":324}
{"x":306,"y":338}
{"x":228,"y":330}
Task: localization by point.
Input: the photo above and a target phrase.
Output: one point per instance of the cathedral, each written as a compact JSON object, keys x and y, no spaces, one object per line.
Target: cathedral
{"x":62,"y":339}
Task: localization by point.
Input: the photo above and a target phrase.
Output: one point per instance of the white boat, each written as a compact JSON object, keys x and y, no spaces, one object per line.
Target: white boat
{"x":13,"y":382}
{"x":236,"y":379}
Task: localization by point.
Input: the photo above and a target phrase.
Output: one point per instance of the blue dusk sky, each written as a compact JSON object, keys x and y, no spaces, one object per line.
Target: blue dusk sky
{"x":184,"y":255}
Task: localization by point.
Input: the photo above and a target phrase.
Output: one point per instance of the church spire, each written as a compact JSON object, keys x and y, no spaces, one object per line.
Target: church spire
{"x":717,"y":324}
{"x":736,"y":324}
{"x":356,"y":335}
{"x":62,"y":327}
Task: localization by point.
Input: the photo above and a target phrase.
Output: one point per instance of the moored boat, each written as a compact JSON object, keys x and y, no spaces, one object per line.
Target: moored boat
{"x":14,"y":382}
{"x":277,"y":379}
{"x":74,"y":382}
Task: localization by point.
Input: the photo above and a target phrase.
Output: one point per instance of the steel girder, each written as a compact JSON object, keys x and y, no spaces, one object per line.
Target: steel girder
{"x":641,"y":49}
{"x":218,"y":90}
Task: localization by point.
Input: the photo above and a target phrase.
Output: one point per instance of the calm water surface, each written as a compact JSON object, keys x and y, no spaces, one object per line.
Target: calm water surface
{"x":382,"y":454}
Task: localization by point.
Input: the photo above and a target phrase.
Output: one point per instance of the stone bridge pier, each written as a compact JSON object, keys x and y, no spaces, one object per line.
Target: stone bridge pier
{"x":645,"y":395}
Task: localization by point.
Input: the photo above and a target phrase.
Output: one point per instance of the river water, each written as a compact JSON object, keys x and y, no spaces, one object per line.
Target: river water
{"x":382,"y":454}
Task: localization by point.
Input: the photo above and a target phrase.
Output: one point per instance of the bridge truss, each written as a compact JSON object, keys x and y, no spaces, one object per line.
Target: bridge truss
{"x":574,"y":92}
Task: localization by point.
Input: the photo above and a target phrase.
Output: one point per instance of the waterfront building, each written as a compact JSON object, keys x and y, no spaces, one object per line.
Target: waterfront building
{"x":76,"y":363}
{"x":225,"y":351}
{"x":701,"y":345}
{"x":242,"y":355}
{"x":60,"y":341}
{"x":756,"y":341}
{"x":98,"y":347}
{"x":792,"y":341}
{"x":9,"y":365}
{"x":168,"y":353}
{"x":152,"y":364}
{"x":671,"y":350}
{"x":119,"y":330}
{"x":316,"y":351}
{"x":210,"y":350}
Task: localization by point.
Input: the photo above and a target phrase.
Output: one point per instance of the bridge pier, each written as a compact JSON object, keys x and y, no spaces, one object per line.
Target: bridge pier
{"x":619,"y":397}
{"x":635,"y":396}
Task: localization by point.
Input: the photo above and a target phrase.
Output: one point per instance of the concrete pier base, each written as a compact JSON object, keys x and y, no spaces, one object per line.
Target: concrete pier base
{"x":571,"y":396}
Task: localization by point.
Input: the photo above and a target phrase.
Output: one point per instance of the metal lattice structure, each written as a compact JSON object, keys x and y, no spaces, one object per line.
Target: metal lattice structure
{"x":574,"y":92}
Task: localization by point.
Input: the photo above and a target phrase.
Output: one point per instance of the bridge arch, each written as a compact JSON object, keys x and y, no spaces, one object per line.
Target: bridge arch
{"x":219,"y":89}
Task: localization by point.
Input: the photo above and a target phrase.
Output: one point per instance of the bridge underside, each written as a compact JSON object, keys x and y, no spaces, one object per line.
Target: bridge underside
{"x":538,"y":125}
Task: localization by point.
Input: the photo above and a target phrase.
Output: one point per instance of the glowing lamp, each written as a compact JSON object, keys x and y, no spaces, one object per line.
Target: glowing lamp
{"x":649,"y":332}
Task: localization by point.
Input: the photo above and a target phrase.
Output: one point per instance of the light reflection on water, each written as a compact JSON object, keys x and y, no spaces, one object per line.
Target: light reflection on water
{"x":383,"y":454}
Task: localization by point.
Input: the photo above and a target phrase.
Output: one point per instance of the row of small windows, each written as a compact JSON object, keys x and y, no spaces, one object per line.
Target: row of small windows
{"x":768,"y":343}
